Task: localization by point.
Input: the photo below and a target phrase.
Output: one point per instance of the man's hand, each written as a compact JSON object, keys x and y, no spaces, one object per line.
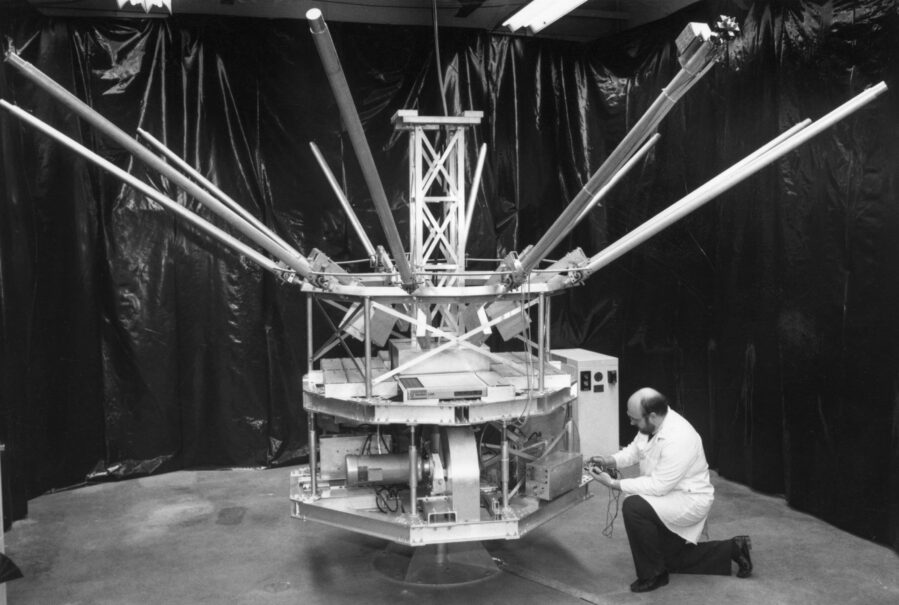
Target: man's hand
{"x":605,"y":461}
{"x":604,"y":478}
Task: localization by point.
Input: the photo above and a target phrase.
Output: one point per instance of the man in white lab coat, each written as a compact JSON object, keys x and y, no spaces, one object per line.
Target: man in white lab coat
{"x":668,"y":504}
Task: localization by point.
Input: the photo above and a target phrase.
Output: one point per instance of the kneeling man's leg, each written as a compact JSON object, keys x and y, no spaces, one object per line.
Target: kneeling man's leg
{"x":704,"y":558}
{"x":644,"y":528}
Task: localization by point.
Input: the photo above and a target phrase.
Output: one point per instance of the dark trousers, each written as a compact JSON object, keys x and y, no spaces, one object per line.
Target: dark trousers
{"x":657,"y":549}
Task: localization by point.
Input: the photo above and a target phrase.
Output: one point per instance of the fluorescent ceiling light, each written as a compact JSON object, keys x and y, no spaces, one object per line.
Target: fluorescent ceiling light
{"x":540,"y":13}
{"x":148,"y":4}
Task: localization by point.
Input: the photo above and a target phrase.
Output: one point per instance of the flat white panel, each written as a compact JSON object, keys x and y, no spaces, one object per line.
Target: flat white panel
{"x":596,"y":411}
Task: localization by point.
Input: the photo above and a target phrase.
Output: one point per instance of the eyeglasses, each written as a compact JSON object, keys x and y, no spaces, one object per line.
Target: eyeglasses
{"x":636,"y":420}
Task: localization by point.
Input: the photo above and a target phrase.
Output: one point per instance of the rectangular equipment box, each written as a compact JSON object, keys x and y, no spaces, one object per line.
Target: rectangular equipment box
{"x":342,"y":379}
{"x":690,"y":40}
{"x":455,"y":385}
{"x":597,"y":410}
{"x":558,"y":473}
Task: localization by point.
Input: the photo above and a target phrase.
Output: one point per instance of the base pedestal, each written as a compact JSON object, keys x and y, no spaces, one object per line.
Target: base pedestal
{"x":436,"y":564}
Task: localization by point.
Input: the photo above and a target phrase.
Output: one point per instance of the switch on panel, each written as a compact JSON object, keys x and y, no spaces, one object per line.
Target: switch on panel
{"x":585,"y":380}
{"x":598,"y":387}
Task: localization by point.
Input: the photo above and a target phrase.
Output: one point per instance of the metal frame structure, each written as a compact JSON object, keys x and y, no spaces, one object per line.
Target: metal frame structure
{"x":437,"y":209}
{"x":476,"y":424}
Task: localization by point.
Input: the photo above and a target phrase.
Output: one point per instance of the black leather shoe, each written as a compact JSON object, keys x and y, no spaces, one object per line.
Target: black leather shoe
{"x":742,"y":546}
{"x":650,"y":583}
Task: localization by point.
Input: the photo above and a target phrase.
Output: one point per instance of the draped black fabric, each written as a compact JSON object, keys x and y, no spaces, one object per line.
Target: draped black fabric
{"x":133,"y":345}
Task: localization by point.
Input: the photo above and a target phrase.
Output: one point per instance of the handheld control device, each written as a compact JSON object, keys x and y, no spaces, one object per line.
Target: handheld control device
{"x":599,"y":468}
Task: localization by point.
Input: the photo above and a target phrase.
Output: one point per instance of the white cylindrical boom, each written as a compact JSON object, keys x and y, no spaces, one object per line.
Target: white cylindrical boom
{"x":356,"y":134}
{"x":344,"y":202}
{"x":618,"y":176}
{"x":473,"y":194}
{"x":290,"y":257}
{"x":197,"y":221}
{"x":213,"y":188}
{"x":727,"y":179}
{"x":698,"y":64}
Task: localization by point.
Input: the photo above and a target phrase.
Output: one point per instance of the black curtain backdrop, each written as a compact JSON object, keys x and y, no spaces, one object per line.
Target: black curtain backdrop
{"x":133,"y":345}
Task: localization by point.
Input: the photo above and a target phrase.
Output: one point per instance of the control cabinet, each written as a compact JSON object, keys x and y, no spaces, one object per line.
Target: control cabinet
{"x":596,"y":412}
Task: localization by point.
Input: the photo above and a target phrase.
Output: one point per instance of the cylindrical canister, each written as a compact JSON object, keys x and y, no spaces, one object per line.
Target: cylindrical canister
{"x":381,"y":469}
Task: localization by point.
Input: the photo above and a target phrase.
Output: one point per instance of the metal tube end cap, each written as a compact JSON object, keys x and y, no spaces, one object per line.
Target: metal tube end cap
{"x":316,"y":21}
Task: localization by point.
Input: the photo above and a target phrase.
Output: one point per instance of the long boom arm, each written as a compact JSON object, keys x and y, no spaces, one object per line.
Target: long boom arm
{"x":256,"y":233}
{"x":743,"y":169}
{"x":195,"y":220}
{"x":212,"y":188}
{"x":356,"y":133}
{"x":697,"y":58}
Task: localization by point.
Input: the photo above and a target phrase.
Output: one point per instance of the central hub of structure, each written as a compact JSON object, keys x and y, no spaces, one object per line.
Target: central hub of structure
{"x":420,"y":433}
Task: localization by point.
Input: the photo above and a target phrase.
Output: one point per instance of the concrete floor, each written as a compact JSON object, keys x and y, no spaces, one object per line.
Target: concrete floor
{"x":227,"y":537}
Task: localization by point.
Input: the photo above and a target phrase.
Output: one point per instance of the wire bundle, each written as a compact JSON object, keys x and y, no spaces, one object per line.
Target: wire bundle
{"x":611,"y":513}
{"x":388,"y":500}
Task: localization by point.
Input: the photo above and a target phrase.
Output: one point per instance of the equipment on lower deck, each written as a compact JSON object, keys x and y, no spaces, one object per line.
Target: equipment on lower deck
{"x":438,"y":411}
{"x":457,"y":385}
{"x":553,"y":475}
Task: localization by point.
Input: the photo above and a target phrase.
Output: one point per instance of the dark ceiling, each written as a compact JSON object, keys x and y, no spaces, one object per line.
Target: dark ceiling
{"x":593,"y":20}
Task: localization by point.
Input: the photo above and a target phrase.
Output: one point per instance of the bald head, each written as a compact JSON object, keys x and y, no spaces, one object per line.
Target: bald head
{"x":647,"y":401}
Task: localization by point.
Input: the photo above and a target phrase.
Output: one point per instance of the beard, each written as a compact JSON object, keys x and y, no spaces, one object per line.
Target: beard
{"x":649,"y":429}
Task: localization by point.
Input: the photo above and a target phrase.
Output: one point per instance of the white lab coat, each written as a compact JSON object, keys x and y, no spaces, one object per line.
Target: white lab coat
{"x":674,"y":475}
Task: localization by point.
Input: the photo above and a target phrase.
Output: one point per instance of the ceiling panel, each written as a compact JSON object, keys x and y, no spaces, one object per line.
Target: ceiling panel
{"x":595,"y":19}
